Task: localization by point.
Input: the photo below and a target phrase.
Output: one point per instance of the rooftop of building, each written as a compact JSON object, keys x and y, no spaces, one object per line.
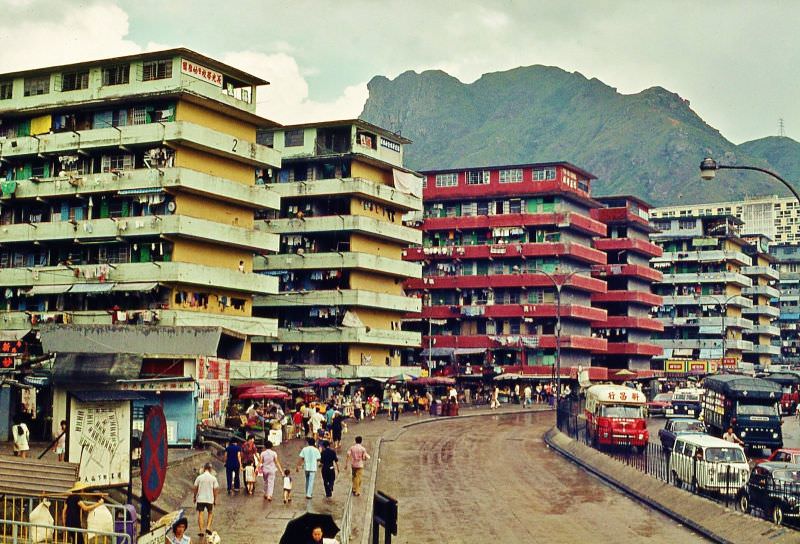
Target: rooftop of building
{"x":562,"y":164}
{"x":149,"y":55}
{"x":614,"y":201}
{"x":346,"y":122}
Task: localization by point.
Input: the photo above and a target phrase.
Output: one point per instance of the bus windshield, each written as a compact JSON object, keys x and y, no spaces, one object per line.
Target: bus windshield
{"x":756,"y":409}
{"x":620,"y":410}
{"x":725,"y":455}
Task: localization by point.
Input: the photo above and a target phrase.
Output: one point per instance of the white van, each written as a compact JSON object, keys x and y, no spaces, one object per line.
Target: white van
{"x":708,"y":463}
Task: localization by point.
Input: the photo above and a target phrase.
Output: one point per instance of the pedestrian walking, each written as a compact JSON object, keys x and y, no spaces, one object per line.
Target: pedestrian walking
{"x":396,"y":399}
{"x":330,"y":467}
{"x":249,"y":454}
{"x":527,"y":394}
{"x":356,"y":457}
{"x":270,"y":464}
{"x":233,"y":465}
{"x":21,"y":435}
{"x":297,"y":423}
{"x":337,"y":426}
{"x":495,"y":398}
{"x":309,"y":458}
{"x":287,"y":486}
{"x":61,"y":441}
{"x":516,"y":392}
{"x":358,"y":406}
{"x":206,"y":488}
{"x":74,"y":508}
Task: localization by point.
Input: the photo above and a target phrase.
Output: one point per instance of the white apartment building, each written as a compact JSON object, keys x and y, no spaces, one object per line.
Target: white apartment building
{"x":773,"y":216}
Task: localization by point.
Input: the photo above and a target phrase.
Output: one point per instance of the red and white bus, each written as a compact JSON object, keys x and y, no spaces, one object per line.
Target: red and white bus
{"x":615,"y":416}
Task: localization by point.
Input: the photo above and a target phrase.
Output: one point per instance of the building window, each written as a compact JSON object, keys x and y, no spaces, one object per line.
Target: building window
{"x":6,"y":88}
{"x":294,"y":138}
{"x":37,"y":85}
{"x":686,"y":224}
{"x":544,"y":174}
{"x":478,"y":177}
{"x":511,"y":176}
{"x":74,"y":81}
{"x":117,"y":75}
{"x":446,"y":180}
{"x":515,"y":206}
{"x":110,"y":163}
{"x":157,"y":69}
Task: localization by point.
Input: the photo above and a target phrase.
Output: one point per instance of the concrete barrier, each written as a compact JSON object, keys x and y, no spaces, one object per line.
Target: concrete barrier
{"x":707,"y":517}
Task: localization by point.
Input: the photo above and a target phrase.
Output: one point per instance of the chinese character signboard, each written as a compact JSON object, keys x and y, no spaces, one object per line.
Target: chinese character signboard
{"x":99,"y":441}
{"x":201,"y":72}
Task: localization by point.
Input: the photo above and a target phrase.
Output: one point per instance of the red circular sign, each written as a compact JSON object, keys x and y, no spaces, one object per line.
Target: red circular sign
{"x":154,"y":453}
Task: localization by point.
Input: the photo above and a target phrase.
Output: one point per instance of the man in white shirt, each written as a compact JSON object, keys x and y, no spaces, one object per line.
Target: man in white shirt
{"x":206,"y":487}
{"x":527,"y":393}
{"x":396,"y":399}
{"x":315,"y":422}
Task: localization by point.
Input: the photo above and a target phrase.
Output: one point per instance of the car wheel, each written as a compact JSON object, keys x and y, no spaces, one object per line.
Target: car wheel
{"x":676,"y":480}
{"x":777,"y":514}
{"x":744,"y":503}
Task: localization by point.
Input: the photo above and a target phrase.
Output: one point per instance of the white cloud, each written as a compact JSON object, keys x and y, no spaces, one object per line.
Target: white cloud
{"x":65,"y":35}
{"x":286,"y":98}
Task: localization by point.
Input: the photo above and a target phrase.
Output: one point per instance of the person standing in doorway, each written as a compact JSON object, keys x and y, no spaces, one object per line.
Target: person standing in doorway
{"x":330,"y":467}
{"x":233,"y":464}
{"x":270,"y":464}
{"x":356,"y":457}
{"x":61,"y":442}
{"x":206,"y":488}
{"x":309,"y":458}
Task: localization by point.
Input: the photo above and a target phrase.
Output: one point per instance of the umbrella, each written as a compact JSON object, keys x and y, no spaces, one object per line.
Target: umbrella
{"x":242,"y":387}
{"x":400,"y":378}
{"x":299,"y":529}
{"x":326,"y":382}
{"x":509,"y":376}
{"x":434,"y":380}
{"x":265,"y":392}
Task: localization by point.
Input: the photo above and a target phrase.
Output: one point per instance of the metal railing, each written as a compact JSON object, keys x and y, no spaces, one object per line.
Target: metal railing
{"x":346,"y":525}
{"x":24,"y":532}
{"x":718,"y":482}
{"x":16,"y":509}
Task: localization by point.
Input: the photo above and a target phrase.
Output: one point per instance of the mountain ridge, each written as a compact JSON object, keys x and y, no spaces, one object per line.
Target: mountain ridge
{"x":647,"y":144}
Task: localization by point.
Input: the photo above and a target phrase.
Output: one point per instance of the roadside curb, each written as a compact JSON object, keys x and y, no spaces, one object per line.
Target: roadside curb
{"x":712,"y":520}
{"x":376,"y":454}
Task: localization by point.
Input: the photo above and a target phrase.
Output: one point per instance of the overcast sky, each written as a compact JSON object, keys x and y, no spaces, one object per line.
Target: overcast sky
{"x":736,"y":61}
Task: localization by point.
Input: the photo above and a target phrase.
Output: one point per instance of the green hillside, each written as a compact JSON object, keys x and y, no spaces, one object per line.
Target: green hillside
{"x":648,"y":144}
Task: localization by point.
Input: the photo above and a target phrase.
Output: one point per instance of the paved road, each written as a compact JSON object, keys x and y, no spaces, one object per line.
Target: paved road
{"x":493,"y":480}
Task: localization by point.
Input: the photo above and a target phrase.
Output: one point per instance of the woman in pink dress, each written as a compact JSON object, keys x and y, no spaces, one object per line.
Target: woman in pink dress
{"x":270,"y":464}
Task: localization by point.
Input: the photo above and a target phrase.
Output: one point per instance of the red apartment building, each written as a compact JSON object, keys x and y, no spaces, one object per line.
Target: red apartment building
{"x":495,"y":240}
{"x":628,"y":276}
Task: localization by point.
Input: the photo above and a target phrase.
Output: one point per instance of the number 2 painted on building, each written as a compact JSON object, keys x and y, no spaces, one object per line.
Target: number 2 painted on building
{"x":235,"y":143}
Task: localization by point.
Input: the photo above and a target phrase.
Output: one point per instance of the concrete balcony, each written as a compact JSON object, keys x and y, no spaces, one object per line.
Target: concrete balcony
{"x":634,"y":348}
{"x":575,"y":251}
{"x":566,"y":220}
{"x":642,"y":247}
{"x":170,"y":179}
{"x":130,"y":228}
{"x":630,"y":322}
{"x":764,"y":290}
{"x":761,"y":271}
{"x":705,"y":256}
{"x":360,"y":187}
{"x":178,"y":132}
{"x":762,"y":309}
{"x":630,"y":270}
{"x":643,"y":298}
{"x":347,"y":261}
{"x":710,"y":343}
{"x":366,"y":226}
{"x":239,"y":325}
{"x":344,"y":335}
{"x":140,"y":273}
{"x":732,"y":278}
{"x":347,"y":298}
{"x":706,"y":300}
{"x":501,"y":311}
{"x":515,"y":341}
{"x":496,"y":281}
{"x":766,"y":349}
{"x":768,"y":330}
{"x":708,"y":322}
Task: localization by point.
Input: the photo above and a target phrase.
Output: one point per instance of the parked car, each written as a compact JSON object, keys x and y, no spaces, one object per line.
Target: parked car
{"x":781,"y":455}
{"x":678,"y":427}
{"x":773,"y":488}
{"x":658,"y":406}
{"x":708,"y":464}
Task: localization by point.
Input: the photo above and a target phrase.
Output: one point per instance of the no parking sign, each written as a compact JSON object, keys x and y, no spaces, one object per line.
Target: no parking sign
{"x":154,"y":453}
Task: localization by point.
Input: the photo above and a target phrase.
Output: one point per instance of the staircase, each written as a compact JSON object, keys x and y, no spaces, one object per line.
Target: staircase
{"x":32,"y":476}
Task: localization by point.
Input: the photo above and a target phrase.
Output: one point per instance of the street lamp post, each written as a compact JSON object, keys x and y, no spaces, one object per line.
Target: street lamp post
{"x":723,"y":307}
{"x":557,"y":285}
{"x":709,"y":167}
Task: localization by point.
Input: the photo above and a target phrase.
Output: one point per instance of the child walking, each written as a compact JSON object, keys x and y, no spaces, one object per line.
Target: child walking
{"x":287,"y":486}
{"x":250,"y":478}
